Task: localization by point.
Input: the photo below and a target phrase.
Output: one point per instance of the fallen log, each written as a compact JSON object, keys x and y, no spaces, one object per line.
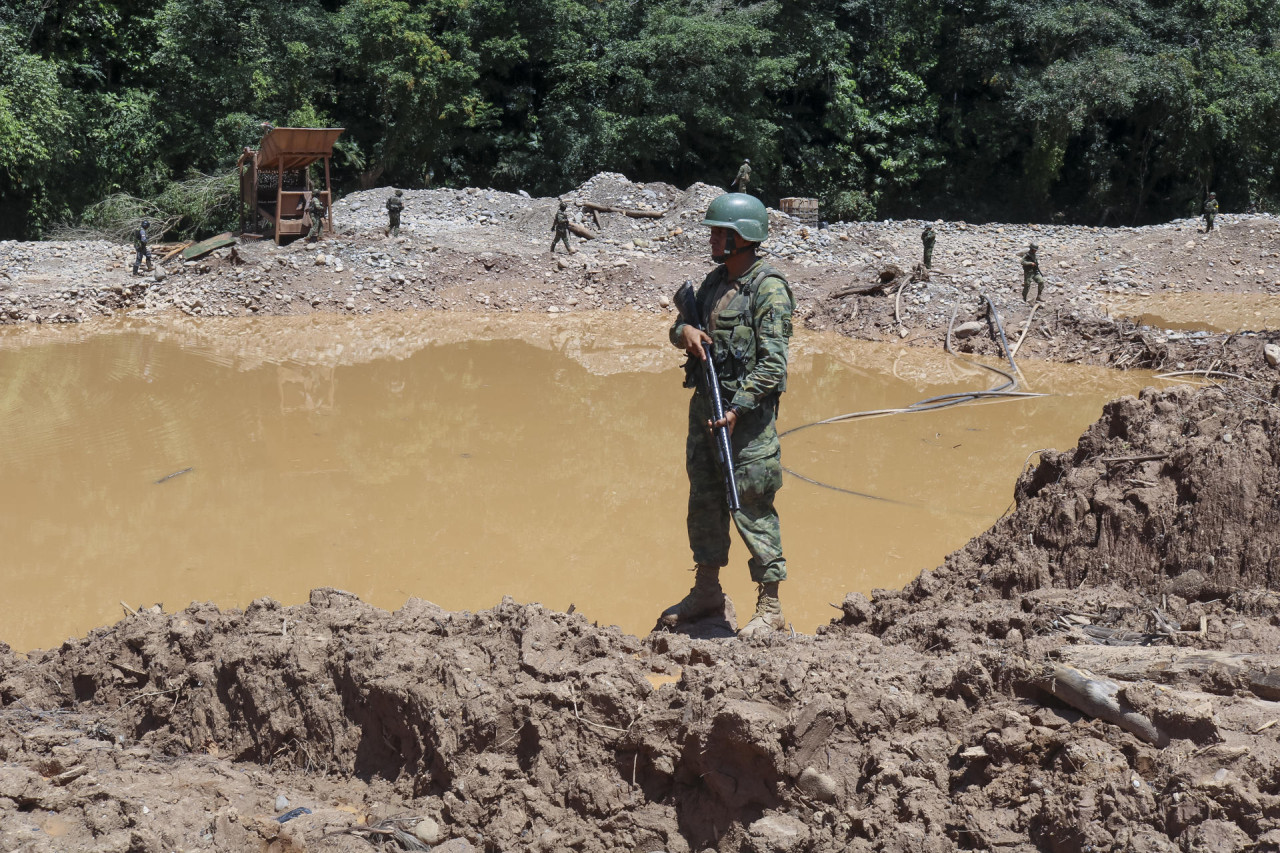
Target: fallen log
{"x":1261,"y":673}
{"x":171,"y":253}
{"x":625,"y":211}
{"x":584,"y":233}
{"x":878,"y":287}
{"x":1097,"y":698}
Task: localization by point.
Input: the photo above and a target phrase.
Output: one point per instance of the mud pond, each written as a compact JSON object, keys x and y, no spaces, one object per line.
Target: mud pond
{"x":459,"y":458}
{"x":1176,"y":311}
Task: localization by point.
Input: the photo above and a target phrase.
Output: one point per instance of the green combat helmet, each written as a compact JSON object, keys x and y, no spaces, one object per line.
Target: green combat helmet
{"x":741,"y":213}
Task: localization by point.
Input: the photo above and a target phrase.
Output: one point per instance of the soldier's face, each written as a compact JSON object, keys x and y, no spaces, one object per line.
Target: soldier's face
{"x":719,"y":237}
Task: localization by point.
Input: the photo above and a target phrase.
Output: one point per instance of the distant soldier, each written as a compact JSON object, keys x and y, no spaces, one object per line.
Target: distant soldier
{"x":927,"y":237}
{"x":1031,"y":274}
{"x":561,"y":229}
{"x":141,"y":247}
{"x":1210,"y":211}
{"x":744,"y":177}
{"x":395,"y":204}
{"x":317,"y":210}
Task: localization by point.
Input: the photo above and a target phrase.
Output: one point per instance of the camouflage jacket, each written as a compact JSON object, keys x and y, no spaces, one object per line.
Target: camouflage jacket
{"x":1030,"y":264}
{"x":562,"y":222}
{"x":750,"y":334}
{"x":1211,"y":206}
{"x":140,"y":238}
{"x":928,"y":237}
{"x":395,"y":204}
{"x":744,"y":174}
{"x":316,"y":207}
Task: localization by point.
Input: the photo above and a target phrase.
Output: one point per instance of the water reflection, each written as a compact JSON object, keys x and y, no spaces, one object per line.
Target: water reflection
{"x":458,"y":459}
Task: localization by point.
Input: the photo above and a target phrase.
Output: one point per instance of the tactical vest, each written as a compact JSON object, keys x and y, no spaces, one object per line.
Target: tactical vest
{"x":734,"y":337}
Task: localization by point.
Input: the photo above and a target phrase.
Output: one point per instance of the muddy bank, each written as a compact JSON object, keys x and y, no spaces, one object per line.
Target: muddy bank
{"x":919,"y":720}
{"x":486,"y":251}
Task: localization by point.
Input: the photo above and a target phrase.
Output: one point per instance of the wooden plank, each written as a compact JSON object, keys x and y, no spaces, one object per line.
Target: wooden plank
{"x":204,"y":247}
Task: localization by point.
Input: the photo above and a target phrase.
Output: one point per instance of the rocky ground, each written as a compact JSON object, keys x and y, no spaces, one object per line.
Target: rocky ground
{"x":1099,"y":671}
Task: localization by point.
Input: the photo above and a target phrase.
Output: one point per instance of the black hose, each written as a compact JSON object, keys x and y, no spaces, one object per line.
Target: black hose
{"x":1006,"y":390}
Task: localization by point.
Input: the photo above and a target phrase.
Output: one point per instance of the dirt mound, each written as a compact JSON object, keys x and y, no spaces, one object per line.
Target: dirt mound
{"x":1169,"y":500}
{"x":523,"y":729}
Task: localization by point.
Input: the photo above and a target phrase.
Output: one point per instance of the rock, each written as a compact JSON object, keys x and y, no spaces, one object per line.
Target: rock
{"x":523,"y":194}
{"x":427,"y":830}
{"x":818,"y":786}
{"x":321,"y":260}
{"x":454,"y":845}
{"x":780,"y":833}
{"x":562,"y":263}
{"x":664,"y":300}
{"x":282,"y":803}
{"x":969,"y":329}
{"x":159,"y":274}
{"x":357,"y":206}
{"x":1272,"y":354}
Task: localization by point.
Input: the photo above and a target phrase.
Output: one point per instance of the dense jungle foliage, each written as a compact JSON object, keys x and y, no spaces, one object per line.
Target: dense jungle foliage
{"x":1115,"y":111}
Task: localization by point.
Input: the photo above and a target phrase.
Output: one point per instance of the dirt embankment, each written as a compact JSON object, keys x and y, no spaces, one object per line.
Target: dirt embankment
{"x":938,"y":717}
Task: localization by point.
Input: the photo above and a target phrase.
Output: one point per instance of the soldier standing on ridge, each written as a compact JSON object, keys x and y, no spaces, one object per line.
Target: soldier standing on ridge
{"x":1031,"y":273}
{"x":561,"y":229}
{"x":141,"y":247}
{"x":1210,"y":211}
{"x":317,"y":210}
{"x":739,"y":184}
{"x":927,"y":237}
{"x":395,"y":204}
{"x":748,"y":306}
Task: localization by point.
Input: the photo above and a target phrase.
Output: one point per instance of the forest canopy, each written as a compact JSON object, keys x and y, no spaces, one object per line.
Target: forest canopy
{"x":1118,"y":112}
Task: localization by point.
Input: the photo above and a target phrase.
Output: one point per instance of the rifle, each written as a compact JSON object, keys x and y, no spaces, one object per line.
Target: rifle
{"x":687,"y":305}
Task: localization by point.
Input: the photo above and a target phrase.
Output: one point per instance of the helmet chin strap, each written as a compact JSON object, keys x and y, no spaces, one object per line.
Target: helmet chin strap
{"x":731,"y":248}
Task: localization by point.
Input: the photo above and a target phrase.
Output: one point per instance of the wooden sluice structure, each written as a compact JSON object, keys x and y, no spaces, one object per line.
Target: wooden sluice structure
{"x":275,"y":181}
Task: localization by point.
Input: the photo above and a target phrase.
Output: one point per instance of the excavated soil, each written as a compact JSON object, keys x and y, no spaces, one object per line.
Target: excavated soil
{"x":937,"y":717}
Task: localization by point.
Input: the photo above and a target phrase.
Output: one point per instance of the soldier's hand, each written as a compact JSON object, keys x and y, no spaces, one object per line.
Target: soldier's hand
{"x":693,"y":340}
{"x":730,"y":418}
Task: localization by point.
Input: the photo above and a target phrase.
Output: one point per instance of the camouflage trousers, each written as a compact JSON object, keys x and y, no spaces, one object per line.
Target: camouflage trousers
{"x":1208,"y":222}
{"x":561,"y":236}
{"x":1034,"y":278}
{"x":393,"y":222}
{"x":928,"y":257}
{"x":317,"y":224}
{"x":141,"y":252}
{"x":708,"y":519}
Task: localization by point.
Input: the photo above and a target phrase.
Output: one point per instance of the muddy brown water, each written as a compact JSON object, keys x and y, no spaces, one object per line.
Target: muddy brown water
{"x":458,"y":458}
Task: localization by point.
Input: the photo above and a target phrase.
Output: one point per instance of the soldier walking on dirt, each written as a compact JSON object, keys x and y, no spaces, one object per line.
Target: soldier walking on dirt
{"x":141,"y":247}
{"x":561,"y":229}
{"x":395,"y":204}
{"x":1210,"y":211}
{"x":927,"y":237}
{"x":1031,"y":274}
{"x":747,"y":305}
{"x":317,"y":210}
{"x":739,"y":184}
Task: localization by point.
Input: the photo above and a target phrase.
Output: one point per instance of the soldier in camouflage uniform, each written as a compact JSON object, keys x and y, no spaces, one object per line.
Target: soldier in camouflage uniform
{"x":395,"y":204}
{"x":561,"y":229}
{"x":1210,"y":211}
{"x":927,"y":237}
{"x":749,"y":304}
{"x":1031,"y":274}
{"x":317,"y":210}
{"x":141,"y":248}
{"x":739,"y":184}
